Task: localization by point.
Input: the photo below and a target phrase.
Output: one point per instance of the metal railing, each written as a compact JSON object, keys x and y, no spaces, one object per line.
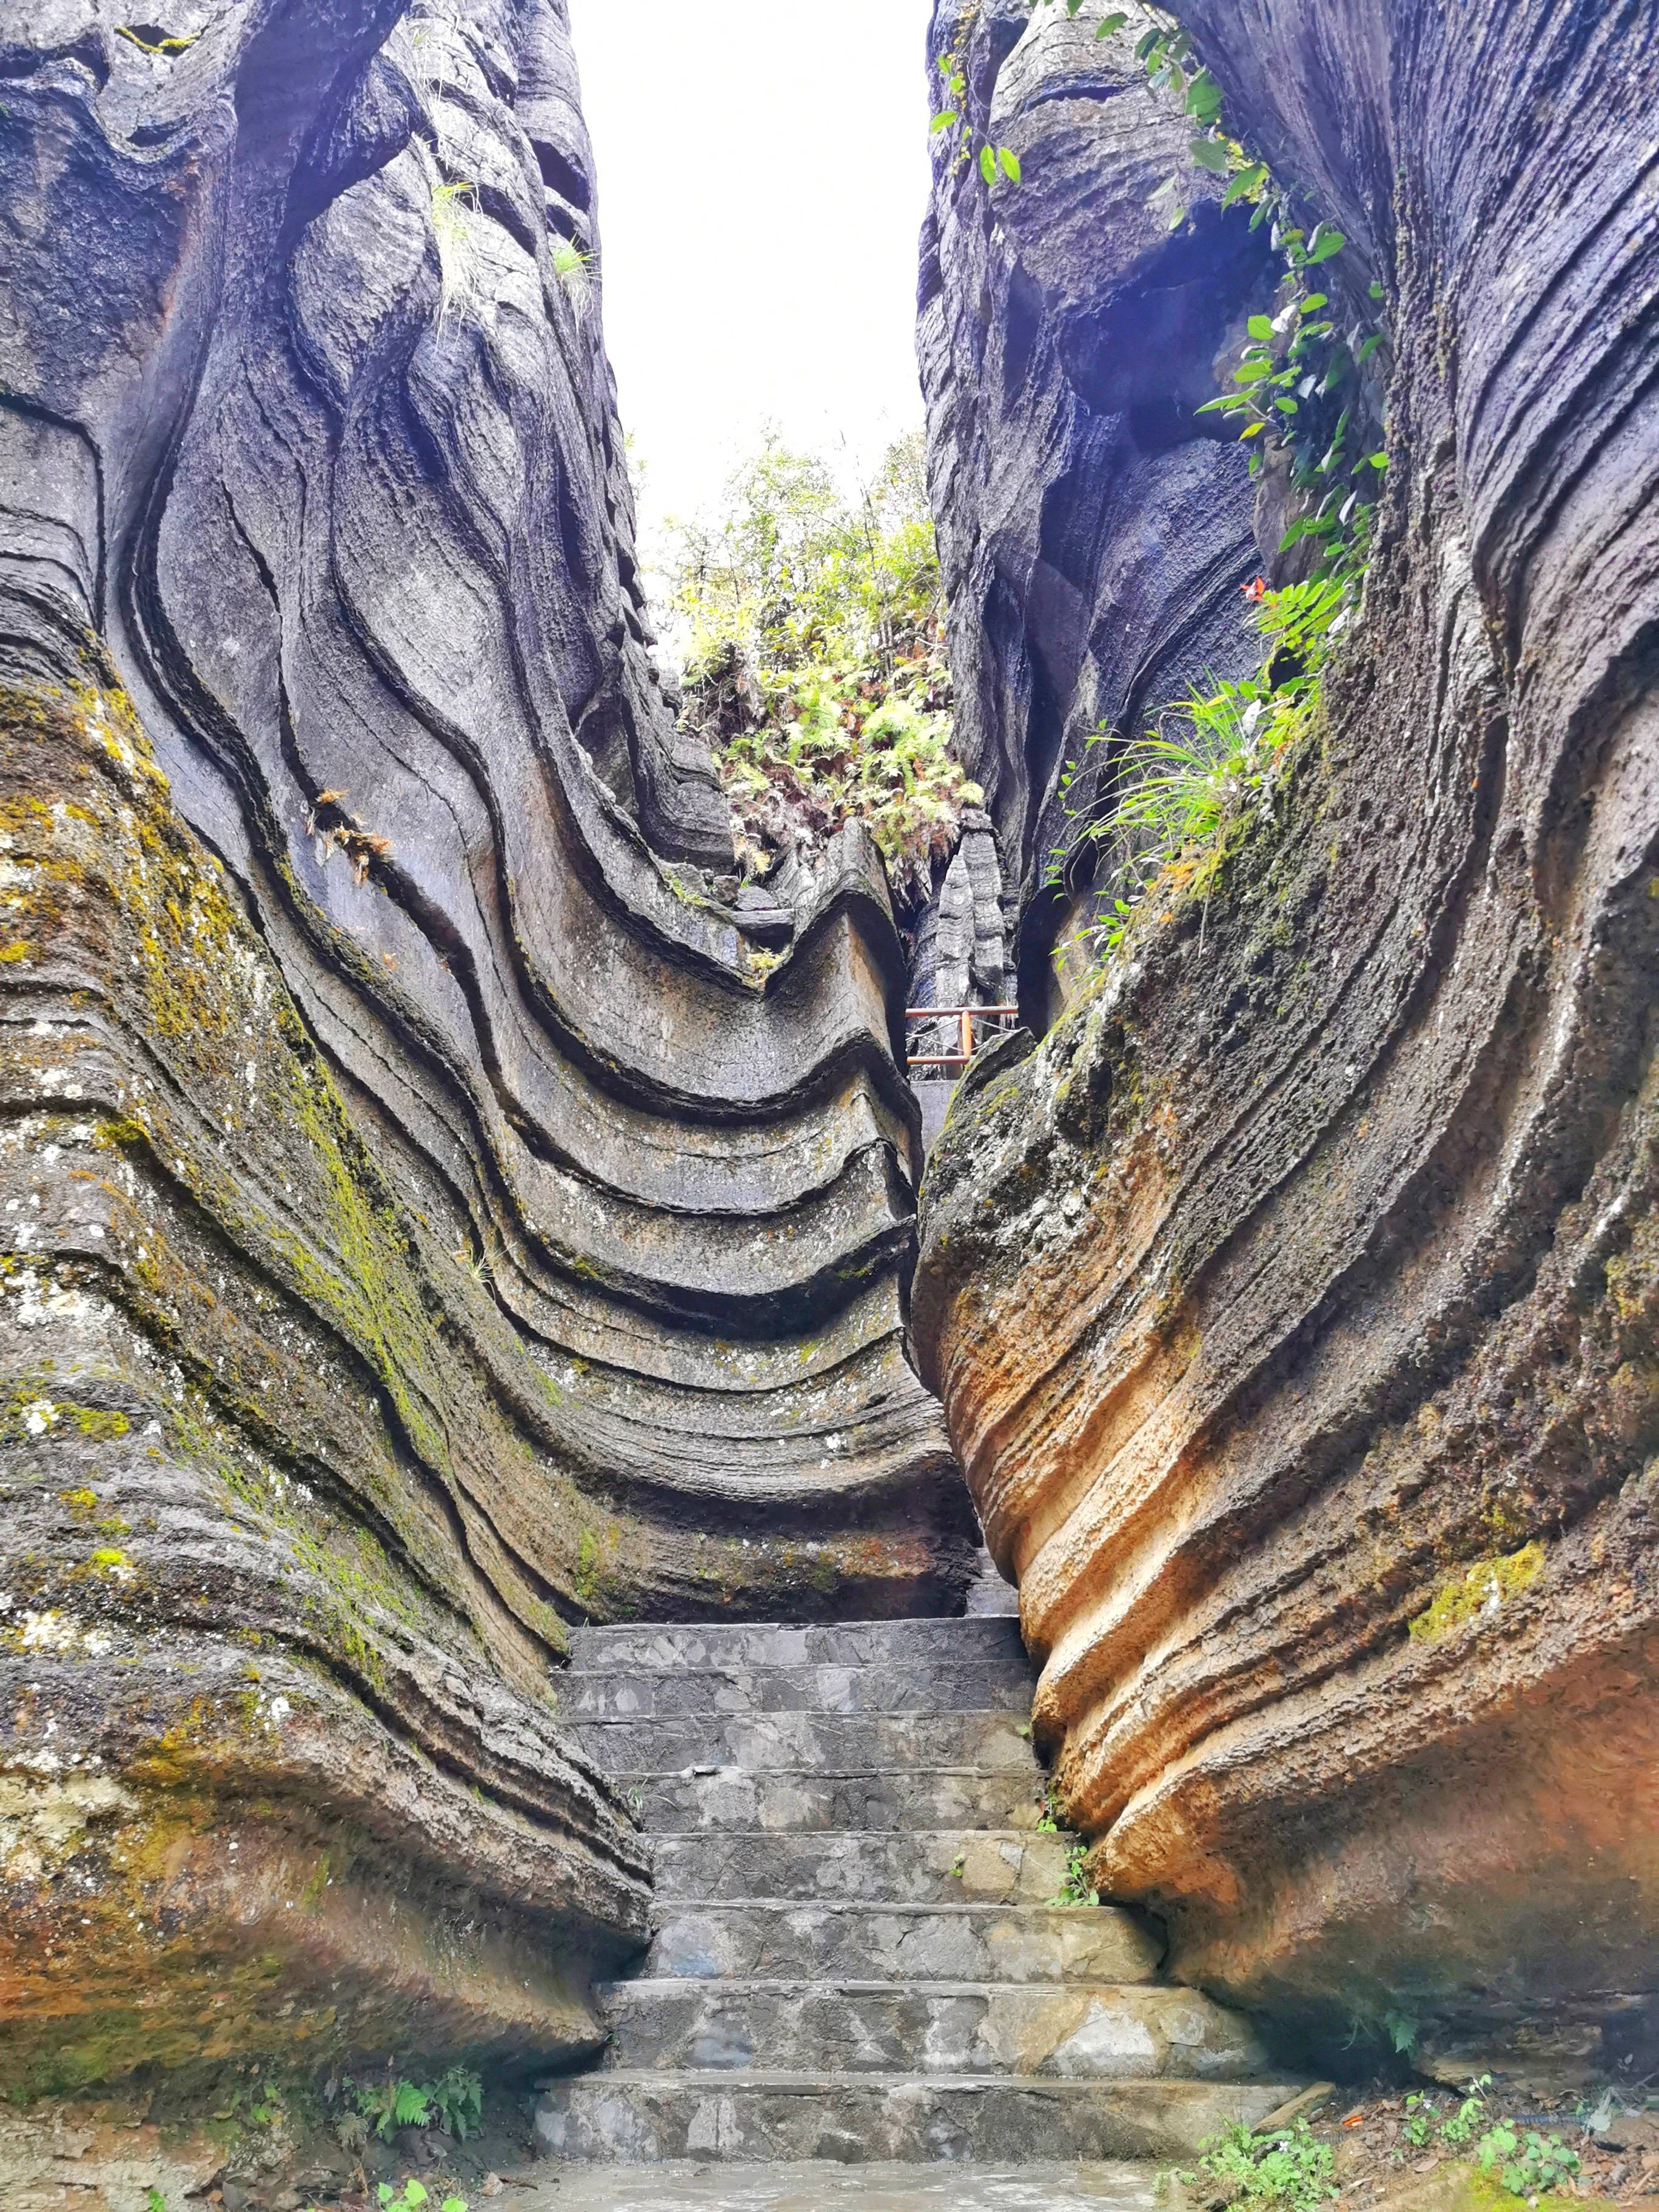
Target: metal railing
{"x":965,"y":1017}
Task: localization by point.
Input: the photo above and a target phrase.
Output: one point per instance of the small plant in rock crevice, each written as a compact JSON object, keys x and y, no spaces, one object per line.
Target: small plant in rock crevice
{"x":1075,"y":1888}
{"x":1527,"y":2163}
{"x":453,"y":206}
{"x":413,"y":2196}
{"x":573,"y":267}
{"x":1210,"y":759}
{"x":453,"y":2103}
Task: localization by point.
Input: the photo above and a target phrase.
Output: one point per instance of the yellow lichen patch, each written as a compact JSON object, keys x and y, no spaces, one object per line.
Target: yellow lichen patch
{"x":1633,"y":1276}
{"x":593,"y":1550}
{"x":1506,"y":1521}
{"x":28,"y":1413}
{"x":96,"y":1421}
{"x":1480,"y":1591}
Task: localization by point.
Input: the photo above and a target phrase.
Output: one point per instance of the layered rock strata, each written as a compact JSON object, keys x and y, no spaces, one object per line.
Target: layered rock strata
{"x":1294,"y":1301}
{"x":434,"y":1213}
{"x":281,"y":1778}
{"x":1094,"y":529}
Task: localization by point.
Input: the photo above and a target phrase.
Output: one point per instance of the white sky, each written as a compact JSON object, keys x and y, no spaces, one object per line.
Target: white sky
{"x":763,"y":174}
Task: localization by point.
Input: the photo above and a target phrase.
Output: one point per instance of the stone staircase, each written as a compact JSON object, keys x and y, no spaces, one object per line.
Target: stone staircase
{"x":856,"y":1959}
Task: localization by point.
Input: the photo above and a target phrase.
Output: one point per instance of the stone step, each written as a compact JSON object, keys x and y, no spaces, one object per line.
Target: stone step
{"x":821,"y":2185}
{"x":853,"y":1888}
{"x":836,"y":1741}
{"x":964,"y":1643}
{"x":1097,"y":2031}
{"x":932,"y":1686}
{"x":757,"y":2118}
{"x":931,"y":1866}
{"x":811,"y":1942}
{"x":801,"y":1799}
{"x":994,"y":1597}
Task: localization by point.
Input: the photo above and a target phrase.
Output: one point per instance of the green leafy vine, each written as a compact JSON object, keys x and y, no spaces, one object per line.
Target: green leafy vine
{"x":972,"y":144}
{"x":1300,"y":398}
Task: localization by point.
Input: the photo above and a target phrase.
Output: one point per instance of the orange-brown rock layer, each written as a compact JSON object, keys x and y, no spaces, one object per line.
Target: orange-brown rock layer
{"x":1294,"y":1302}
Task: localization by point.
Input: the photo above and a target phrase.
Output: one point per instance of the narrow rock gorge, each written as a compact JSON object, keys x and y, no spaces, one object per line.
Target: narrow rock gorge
{"x":451,"y":1205}
{"x":1293,"y":1301}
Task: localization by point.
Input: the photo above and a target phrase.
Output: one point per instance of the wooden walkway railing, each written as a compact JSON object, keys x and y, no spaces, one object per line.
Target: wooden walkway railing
{"x":965,"y":1017}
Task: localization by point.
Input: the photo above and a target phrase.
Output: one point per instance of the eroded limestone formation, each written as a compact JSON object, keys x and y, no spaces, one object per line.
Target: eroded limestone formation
{"x":1094,"y":528}
{"x":1293,"y":1302}
{"x":434,"y":1212}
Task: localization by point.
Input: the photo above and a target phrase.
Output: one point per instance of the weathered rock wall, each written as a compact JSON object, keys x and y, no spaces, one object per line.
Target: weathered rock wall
{"x":432,"y":1214}
{"x":1095,"y":530}
{"x":281,"y":1778}
{"x":1294,"y":1302}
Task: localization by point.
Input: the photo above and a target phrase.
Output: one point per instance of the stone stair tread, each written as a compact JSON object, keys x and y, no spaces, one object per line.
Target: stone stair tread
{"x":694,"y":1693}
{"x":855,"y":1985}
{"x":752,"y":2117}
{"x":953,"y":1828}
{"x":738,"y":1643}
{"x":722,"y":2077}
{"x":801,"y":1800}
{"x":863,"y":1906}
{"x":878,"y":1865}
{"x":768,"y":1742}
{"x":743,"y":1670}
{"x":823,"y":2185}
{"x":1098,"y":2031}
{"x":1048,"y":1947}
{"x":904,"y":1774}
{"x":991,"y":1713}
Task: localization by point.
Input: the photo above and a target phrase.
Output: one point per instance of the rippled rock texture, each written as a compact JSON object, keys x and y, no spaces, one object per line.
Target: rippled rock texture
{"x":1094,"y":529}
{"x":430,"y":1216}
{"x":1294,"y":1302}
